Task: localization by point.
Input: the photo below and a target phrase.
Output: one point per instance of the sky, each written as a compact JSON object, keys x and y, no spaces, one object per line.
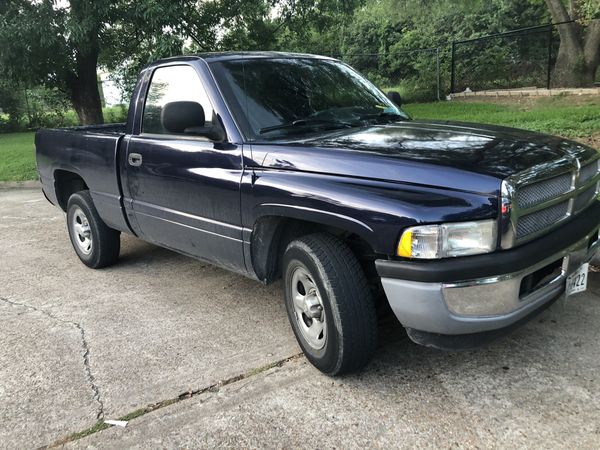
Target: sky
{"x":112,"y":95}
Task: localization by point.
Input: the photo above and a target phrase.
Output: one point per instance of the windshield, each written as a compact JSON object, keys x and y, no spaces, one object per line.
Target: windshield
{"x":280,"y":97}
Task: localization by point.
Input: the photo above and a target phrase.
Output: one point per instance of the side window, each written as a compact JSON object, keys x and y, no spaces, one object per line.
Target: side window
{"x":173,"y":84}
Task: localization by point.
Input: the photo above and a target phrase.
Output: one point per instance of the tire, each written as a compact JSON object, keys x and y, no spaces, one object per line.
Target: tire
{"x":95,"y":243}
{"x":325,"y":288}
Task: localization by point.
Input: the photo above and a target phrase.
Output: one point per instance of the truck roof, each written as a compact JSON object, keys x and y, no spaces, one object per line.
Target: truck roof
{"x":232,"y":55}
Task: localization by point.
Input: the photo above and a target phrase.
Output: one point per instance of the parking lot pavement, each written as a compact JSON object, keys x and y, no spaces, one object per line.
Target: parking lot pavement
{"x":196,"y":356}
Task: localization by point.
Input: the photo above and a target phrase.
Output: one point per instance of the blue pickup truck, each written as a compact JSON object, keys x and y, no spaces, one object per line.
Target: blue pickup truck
{"x":295,"y":167}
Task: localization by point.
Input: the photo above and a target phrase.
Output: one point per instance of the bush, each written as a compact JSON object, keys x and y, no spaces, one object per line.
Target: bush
{"x":23,"y":109}
{"x":57,"y":118}
{"x":414,"y":91}
{"x":7,"y":125}
{"x":115,"y":114}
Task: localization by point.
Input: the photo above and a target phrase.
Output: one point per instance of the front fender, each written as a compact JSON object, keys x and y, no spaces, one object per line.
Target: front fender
{"x":376,"y":211}
{"x":315,"y":215}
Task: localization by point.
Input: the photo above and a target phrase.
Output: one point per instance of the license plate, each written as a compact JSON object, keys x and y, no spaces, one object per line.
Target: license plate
{"x":577,"y":281}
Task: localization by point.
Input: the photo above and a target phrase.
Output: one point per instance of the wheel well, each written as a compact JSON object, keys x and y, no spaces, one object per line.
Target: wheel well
{"x":271,"y":236}
{"x":67,"y":183}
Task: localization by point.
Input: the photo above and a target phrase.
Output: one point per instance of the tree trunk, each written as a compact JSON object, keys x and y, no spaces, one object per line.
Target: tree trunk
{"x":571,"y":69}
{"x":83,"y":88}
{"x":86,"y":101}
{"x":579,"y":52}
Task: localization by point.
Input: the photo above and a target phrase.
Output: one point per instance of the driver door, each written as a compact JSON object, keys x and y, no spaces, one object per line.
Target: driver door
{"x":185,"y":189}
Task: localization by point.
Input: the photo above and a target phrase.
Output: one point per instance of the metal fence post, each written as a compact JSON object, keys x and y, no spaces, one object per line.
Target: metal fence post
{"x":452,"y":70}
{"x":437,"y":69}
{"x":549,"y":76}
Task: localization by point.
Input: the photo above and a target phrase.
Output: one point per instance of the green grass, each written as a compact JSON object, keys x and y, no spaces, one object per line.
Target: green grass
{"x":572,"y":117}
{"x":17,"y":153}
{"x":568,"y":117}
{"x":17,"y":157}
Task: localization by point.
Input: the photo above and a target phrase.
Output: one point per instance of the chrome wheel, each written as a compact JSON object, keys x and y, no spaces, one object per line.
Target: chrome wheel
{"x":81,"y":231}
{"x":308,"y":308}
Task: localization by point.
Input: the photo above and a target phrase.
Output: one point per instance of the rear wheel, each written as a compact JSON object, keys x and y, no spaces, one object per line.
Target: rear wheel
{"x":95,"y":243}
{"x":329,"y":304}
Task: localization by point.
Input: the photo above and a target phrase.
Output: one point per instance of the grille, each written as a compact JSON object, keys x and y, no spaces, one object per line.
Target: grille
{"x":587,"y":172}
{"x":542,"y":191}
{"x":539,"y":220}
{"x":542,"y":205}
{"x":585,"y":198}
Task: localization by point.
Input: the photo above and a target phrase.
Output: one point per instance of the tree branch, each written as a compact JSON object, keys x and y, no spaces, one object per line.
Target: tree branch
{"x":574,"y":9}
{"x":569,"y":32}
{"x":558,"y":11}
{"x":192,"y":35}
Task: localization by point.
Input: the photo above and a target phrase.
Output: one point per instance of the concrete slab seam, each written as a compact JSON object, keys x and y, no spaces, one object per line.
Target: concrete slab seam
{"x":213,"y":388}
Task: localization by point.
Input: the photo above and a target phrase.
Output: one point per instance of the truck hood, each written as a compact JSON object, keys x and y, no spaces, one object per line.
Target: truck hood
{"x":406,"y":152}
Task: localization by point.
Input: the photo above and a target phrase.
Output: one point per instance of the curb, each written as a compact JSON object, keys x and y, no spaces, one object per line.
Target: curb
{"x":31,"y":184}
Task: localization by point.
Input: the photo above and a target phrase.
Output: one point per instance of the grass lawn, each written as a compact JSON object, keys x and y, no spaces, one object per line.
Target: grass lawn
{"x":17,"y":157}
{"x":569,"y":116}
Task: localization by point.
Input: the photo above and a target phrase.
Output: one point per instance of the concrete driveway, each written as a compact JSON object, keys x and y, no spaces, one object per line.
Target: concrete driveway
{"x":195,"y":356}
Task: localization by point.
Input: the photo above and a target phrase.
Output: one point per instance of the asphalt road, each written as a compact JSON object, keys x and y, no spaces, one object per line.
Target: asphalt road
{"x":195,"y":356}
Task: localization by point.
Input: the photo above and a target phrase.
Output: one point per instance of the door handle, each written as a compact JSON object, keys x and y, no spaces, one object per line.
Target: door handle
{"x":135,"y":159}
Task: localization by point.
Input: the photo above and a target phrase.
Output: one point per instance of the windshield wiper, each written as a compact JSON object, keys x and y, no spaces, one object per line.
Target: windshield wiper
{"x":305,"y":122}
{"x":382,"y":115}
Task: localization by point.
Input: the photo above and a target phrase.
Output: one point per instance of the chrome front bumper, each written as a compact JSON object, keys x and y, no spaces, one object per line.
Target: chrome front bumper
{"x":484,"y":304}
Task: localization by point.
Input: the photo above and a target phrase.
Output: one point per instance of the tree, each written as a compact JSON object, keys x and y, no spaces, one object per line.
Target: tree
{"x":55,"y":46}
{"x":59,"y":43}
{"x":579,"y":52}
{"x":383,"y":34}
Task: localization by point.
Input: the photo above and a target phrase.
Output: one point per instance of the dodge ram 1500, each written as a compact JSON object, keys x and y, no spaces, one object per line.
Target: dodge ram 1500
{"x":293,"y":166}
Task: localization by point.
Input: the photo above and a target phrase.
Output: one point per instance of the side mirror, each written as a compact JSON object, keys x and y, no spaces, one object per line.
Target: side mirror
{"x":188,"y":118}
{"x":395,"y":97}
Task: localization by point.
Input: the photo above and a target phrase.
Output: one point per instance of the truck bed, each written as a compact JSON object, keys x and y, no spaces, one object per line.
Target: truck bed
{"x":90,"y":151}
{"x":109,"y":128}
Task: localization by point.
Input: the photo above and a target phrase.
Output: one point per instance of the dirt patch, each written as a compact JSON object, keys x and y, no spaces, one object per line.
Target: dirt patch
{"x":527,"y":103}
{"x":592,"y":141}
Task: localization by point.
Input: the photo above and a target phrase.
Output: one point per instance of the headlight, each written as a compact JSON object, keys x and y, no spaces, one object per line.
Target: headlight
{"x":448,"y":240}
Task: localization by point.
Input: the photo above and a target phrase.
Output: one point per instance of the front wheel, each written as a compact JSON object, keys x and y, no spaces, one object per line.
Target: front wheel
{"x":95,"y":243}
{"x":329,"y":304}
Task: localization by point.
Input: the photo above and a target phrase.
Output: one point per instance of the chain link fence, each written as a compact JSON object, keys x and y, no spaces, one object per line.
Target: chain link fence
{"x":514,"y":59}
{"x":522,"y":58}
